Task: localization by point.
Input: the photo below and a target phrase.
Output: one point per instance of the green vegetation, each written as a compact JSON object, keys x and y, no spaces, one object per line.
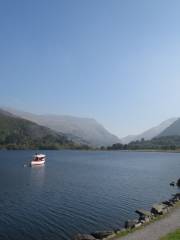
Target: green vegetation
{"x":172,"y":236}
{"x":171,"y":143}
{"x":18,"y":133}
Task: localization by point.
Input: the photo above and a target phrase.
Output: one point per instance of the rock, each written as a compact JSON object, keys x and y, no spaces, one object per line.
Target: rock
{"x":172,"y":184}
{"x":84,"y":237}
{"x":103,"y":234}
{"x":147,"y":220}
{"x":122,"y":230}
{"x":143,"y":214}
{"x":119,"y":230}
{"x":176,"y":197}
{"x":158,"y":209}
{"x":174,"y":200}
{"x":171,"y":200}
{"x":137,"y":225}
{"x":168,"y":203}
{"x":178,"y":182}
{"x":130,"y":223}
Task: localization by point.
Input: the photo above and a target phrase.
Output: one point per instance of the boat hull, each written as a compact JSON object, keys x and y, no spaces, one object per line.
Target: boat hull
{"x":37,"y":162}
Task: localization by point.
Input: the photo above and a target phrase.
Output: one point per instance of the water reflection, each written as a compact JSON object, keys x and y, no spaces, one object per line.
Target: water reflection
{"x":38,"y":175}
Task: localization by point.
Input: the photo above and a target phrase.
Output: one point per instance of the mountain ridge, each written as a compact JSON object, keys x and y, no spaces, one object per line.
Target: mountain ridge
{"x":172,"y":130}
{"x":78,"y":129}
{"x":19,"y":133}
{"x":150,"y":133}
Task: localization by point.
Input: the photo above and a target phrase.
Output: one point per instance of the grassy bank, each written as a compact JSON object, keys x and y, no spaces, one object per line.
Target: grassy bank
{"x":172,"y":236}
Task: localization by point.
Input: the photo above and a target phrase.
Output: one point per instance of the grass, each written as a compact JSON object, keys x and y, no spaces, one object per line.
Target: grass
{"x":172,"y":236}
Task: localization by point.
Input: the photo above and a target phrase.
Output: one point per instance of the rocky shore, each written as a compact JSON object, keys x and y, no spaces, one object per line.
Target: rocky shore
{"x":157,"y":210}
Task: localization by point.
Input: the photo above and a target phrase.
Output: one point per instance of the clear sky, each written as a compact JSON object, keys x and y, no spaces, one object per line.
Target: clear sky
{"x":117,"y":61}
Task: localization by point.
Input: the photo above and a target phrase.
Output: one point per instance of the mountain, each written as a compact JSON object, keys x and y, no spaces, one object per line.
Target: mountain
{"x":18,"y":133}
{"x":6,"y":113}
{"x":172,"y":130}
{"x":80,"y":130}
{"x":129,"y":138}
{"x":150,"y":133}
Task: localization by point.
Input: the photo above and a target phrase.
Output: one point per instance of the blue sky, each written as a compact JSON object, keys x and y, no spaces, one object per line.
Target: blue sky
{"x":117,"y":61}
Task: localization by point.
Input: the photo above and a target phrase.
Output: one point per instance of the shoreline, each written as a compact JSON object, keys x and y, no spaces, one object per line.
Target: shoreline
{"x":142,"y":150}
{"x":146,"y":231}
{"x":136,"y":229}
{"x":93,"y":150}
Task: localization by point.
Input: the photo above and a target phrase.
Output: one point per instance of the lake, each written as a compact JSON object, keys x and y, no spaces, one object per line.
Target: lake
{"x":79,"y":191}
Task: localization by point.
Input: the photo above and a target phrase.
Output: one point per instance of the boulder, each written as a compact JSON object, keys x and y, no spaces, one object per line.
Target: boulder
{"x":178,"y":182}
{"x":159,"y":209}
{"x":168,"y":203}
{"x":171,"y":200}
{"x":174,"y":200}
{"x":130,"y":223}
{"x":176,"y":197}
{"x":143,"y":214}
{"x":137,"y":225}
{"x":103,"y":234}
{"x":119,"y":230}
{"x":172,"y":184}
{"x":84,"y":237}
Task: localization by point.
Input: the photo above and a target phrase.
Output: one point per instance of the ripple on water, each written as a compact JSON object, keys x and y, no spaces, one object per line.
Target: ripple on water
{"x":79,"y":191}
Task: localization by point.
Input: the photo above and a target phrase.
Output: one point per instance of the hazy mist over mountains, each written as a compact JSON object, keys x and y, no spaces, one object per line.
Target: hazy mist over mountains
{"x":89,"y":131}
{"x":150,"y":133}
{"x":81,"y":130}
{"x":19,"y":133}
{"x":172,"y":130}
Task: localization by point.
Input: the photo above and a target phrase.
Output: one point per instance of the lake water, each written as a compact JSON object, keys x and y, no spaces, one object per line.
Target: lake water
{"x":79,"y":191}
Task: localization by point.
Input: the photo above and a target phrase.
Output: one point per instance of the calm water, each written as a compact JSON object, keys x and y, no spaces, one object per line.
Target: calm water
{"x":78,"y":191}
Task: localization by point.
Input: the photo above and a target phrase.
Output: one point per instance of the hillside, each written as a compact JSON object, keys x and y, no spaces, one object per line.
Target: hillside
{"x":17,"y":133}
{"x":164,"y":142}
{"x":172,"y":130}
{"x":159,"y":143}
{"x":150,"y":133}
{"x":80,"y":130}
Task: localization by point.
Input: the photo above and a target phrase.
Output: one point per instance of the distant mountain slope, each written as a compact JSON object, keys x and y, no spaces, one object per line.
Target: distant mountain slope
{"x":81,"y":130}
{"x":165,"y":143}
{"x":150,"y":133}
{"x":18,"y":133}
{"x":6,"y":113}
{"x":129,"y":138}
{"x":172,"y":130}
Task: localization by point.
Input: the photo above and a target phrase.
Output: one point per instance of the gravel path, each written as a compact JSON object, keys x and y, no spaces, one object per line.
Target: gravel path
{"x":157,"y":229}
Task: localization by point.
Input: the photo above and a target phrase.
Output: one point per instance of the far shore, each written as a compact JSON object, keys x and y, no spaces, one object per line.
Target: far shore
{"x":94,"y":149}
{"x":147,"y":150}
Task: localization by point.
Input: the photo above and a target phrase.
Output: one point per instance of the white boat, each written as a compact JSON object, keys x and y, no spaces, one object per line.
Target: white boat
{"x":38,"y":159}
